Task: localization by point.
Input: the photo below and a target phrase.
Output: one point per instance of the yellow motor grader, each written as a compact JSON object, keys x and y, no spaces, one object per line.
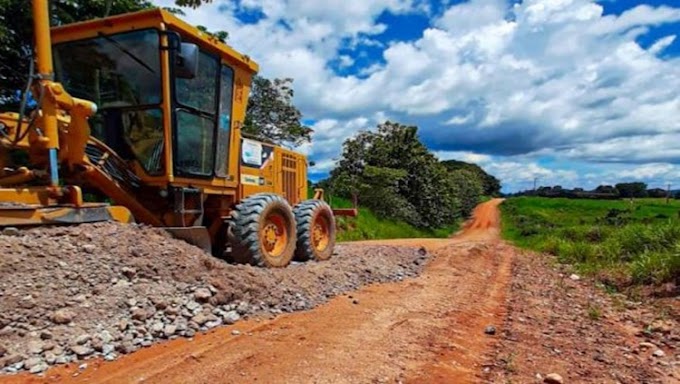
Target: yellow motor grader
{"x":145,"y":111}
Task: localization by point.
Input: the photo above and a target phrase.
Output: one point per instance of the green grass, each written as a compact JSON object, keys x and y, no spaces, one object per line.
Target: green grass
{"x":368,"y":226}
{"x":619,"y":241}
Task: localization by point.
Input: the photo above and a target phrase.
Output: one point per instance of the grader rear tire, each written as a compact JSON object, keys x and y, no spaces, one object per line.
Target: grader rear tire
{"x":316,"y":230}
{"x":263,"y":232}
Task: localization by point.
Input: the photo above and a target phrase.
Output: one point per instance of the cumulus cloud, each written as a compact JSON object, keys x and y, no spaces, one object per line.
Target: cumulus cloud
{"x":467,"y":156}
{"x":521,"y":175}
{"x":505,"y":80}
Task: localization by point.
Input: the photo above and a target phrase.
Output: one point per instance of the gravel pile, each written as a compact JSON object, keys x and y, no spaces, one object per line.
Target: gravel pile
{"x":73,"y":293}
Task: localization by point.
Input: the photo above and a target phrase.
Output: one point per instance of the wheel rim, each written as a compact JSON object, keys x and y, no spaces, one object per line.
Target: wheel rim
{"x":320,"y":233}
{"x":274,"y":234}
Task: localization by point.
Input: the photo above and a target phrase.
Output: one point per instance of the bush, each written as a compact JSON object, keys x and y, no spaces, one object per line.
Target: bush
{"x":551,"y":245}
{"x":576,"y":252}
{"x":576,"y":233}
{"x":597,"y":234}
{"x":656,"y":267}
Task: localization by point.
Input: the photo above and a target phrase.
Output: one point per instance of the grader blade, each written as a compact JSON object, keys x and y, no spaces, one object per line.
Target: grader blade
{"x":197,"y":236}
{"x":16,"y":216}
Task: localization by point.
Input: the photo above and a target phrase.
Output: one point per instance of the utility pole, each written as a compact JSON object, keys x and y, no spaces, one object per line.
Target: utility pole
{"x":668,"y":194}
{"x":535,"y":180}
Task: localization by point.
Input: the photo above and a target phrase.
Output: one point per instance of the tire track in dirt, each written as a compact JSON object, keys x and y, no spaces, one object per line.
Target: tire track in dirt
{"x":426,"y":329}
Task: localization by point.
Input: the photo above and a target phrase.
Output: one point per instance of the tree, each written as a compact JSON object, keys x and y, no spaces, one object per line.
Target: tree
{"x":395,"y":174}
{"x":657,"y":192}
{"x":637,"y":189}
{"x":490,"y":184}
{"x":219,"y":35}
{"x":467,"y":188}
{"x":607,"y":189}
{"x":271,"y":114}
{"x":192,"y":3}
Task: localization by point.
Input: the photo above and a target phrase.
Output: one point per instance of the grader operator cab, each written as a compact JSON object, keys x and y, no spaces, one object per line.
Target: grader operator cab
{"x":146,"y":111}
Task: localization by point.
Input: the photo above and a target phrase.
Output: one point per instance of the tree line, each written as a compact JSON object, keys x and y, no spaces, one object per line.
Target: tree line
{"x":621,"y":190}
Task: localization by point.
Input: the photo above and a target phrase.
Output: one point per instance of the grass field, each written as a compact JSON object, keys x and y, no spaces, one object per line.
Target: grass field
{"x":368,"y":226}
{"x":621,"y":242}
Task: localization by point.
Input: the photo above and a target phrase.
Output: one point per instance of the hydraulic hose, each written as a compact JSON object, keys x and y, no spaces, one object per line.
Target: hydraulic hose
{"x":24,"y":99}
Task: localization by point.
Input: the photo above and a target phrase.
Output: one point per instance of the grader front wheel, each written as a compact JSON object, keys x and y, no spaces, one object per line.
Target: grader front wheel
{"x":315,"y":229}
{"x":264,"y":231}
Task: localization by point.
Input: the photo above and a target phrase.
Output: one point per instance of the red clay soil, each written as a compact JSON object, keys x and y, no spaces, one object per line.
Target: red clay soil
{"x":560,"y":323}
{"x":428,"y":329}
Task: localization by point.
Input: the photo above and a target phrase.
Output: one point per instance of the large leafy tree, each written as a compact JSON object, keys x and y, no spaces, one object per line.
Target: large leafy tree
{"x":271,"y":114}
{"x":395,"y":174}
{"x":637,"y":189}
{"x":490,"y":184}
{"x":467,"y":187}
{"x":192,"y":3}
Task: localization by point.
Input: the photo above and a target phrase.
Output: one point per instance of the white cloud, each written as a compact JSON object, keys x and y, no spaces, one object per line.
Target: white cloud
{"x":488,"y":77}
{"x":328,"y":137}
{"x":345,"y":61}
{"x":459,"y":120}
{"x":661,"y":44}
{"x":632,"y":149}
{"x":521,"y":175}
{"x":469,"y":157}
{"x":648,"y":171}
{"x":471,"y":16}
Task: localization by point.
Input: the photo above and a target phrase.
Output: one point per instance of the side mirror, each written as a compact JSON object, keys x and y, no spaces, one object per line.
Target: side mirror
{"x":186,"y":61}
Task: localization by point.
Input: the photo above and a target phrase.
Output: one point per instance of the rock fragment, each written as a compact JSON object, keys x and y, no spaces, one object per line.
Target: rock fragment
{"x":62,"y":316}
{"x":553,"y":378}
{"x":202,"y":295}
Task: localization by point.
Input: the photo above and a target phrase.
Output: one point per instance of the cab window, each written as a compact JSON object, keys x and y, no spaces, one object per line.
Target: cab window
{"x":224,"y":121}
{"x":196,"y":118}
{"x":121,"y":74}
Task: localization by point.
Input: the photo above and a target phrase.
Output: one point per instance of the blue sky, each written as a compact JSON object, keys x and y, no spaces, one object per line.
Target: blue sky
{"x":572,"y":92}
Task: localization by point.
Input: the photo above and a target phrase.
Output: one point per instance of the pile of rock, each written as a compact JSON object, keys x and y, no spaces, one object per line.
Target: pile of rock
{"x":72,"y":293}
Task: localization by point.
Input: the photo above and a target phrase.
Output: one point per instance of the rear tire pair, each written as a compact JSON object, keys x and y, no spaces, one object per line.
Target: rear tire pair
{"x":268,"y":233}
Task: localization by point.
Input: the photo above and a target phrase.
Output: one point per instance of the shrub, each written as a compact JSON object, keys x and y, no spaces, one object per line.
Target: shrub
{"x":551,"y":245}
{"x":576,"y":252}
{"x":656,"y":267}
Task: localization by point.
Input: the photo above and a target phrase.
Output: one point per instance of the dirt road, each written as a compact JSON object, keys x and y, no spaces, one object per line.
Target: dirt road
{"x":429,"y":329}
